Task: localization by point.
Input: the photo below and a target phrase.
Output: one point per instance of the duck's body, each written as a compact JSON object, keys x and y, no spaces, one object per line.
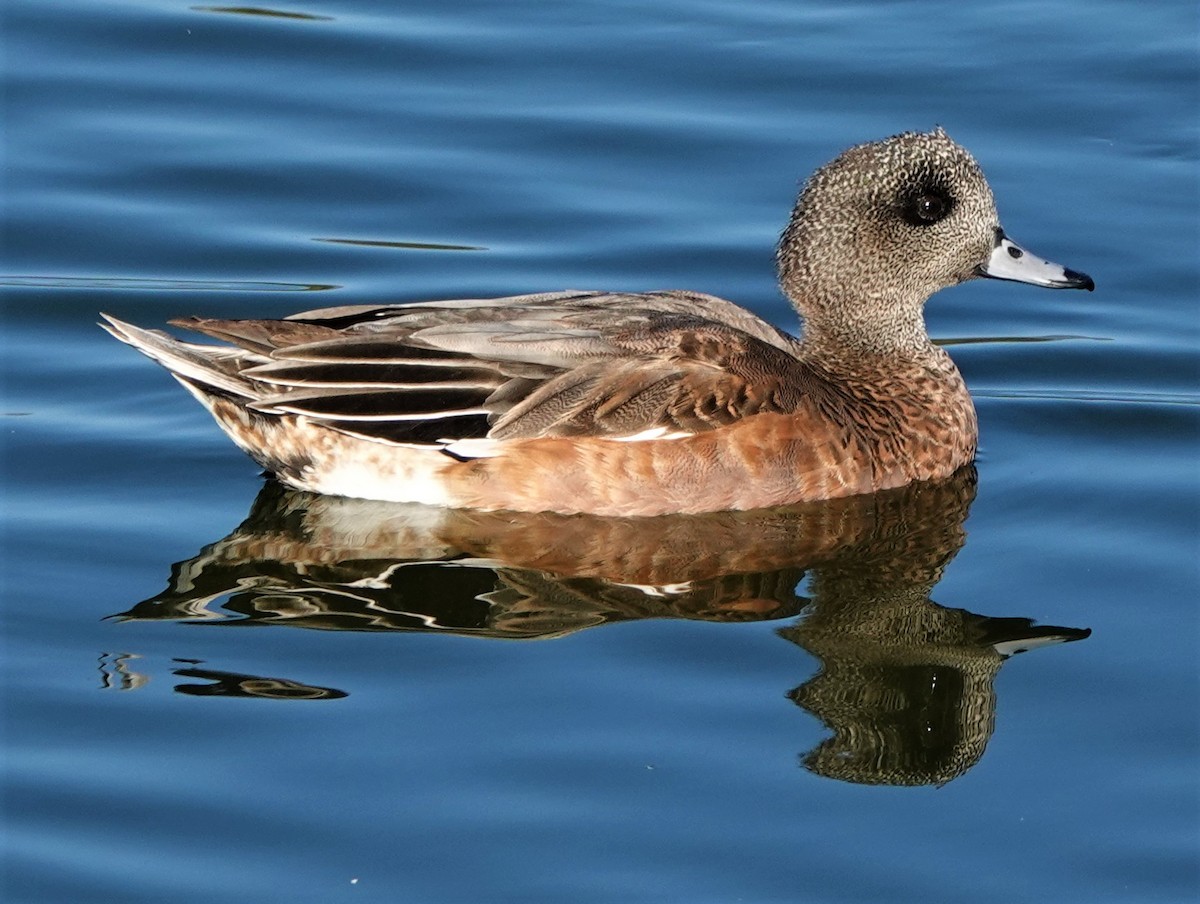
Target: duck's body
{"x":639,"y":404}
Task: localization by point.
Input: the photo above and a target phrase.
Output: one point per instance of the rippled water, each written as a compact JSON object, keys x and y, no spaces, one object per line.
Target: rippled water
{"x":807,"y":704}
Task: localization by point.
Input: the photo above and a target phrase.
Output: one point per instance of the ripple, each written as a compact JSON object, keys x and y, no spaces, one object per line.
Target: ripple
{"x":261,"y":11}
{"x":1008,"y":340}
{"x":418,"y":246}
{"x":1087,"y":395}
{"x":160,"y":285}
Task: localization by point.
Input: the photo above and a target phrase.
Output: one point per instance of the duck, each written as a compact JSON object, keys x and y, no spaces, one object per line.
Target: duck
{"x":639,"y":404}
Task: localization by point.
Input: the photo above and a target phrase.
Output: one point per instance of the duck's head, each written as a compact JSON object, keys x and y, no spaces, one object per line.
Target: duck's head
{"x":886,"y":224}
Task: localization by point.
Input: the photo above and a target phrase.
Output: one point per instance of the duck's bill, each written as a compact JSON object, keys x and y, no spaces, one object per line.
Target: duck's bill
{"x":1010,"y":261}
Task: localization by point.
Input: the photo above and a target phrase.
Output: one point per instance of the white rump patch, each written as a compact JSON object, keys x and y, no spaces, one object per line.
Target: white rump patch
{"x":386,"y":473}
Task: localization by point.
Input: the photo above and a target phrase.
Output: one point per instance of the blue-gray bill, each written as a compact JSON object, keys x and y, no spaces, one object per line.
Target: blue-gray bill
{"x":1010,"y":261}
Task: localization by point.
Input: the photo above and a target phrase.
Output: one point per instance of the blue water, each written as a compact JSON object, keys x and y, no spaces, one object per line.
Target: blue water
{"x":532,"y":721}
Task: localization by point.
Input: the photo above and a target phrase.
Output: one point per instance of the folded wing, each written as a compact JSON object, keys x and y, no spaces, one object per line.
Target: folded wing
{"x":664,"y":364}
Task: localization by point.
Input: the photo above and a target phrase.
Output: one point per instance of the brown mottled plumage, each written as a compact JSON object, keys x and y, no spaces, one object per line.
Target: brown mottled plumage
{"x":640,"y":404}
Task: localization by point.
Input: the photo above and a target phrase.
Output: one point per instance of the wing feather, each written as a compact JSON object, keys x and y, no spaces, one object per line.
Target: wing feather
{"x":375,"y":405}
{"x":367,"y":376}
{"x":653,"y":365}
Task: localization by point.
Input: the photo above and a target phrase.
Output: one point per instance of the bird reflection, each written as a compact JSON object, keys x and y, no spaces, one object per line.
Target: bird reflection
{"x":905,"y":685}
{"x":236,"y":684}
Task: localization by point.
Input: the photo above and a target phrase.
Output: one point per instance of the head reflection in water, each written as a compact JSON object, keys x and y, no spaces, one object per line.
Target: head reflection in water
{"x":905,"y":684}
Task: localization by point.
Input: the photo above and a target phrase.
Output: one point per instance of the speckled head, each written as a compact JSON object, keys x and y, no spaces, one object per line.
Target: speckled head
{"x":886,"y":224}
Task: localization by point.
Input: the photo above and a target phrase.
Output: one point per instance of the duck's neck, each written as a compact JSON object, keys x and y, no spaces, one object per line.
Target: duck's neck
{"x":875,"y":330}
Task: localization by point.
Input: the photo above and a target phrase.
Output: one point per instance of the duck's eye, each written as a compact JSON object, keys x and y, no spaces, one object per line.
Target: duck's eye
{"x":927,"y":208}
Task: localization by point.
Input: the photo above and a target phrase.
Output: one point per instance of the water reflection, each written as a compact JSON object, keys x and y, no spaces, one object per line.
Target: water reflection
{"x":905,"y":685}
{"x":237,"y":684}
{"x":117,"y":673}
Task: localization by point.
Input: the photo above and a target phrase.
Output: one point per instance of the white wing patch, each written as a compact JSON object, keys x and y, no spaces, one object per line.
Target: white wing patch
{"x":661,"y":590}
{"x":473,"y":448}
{"x":490,"y":448}
{"x":651,"y":434}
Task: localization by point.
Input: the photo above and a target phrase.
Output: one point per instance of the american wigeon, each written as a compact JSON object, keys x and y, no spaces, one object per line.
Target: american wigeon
{"x":639,"y":404}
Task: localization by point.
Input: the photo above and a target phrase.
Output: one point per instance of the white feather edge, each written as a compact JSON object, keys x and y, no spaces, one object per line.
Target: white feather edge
{"x":490,"y":448}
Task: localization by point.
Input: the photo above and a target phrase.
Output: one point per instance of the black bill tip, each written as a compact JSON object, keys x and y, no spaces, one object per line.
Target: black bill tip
{"x":1077,"y":280}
